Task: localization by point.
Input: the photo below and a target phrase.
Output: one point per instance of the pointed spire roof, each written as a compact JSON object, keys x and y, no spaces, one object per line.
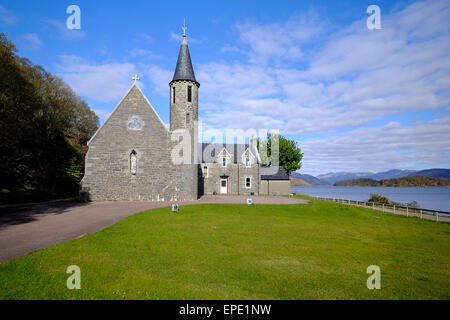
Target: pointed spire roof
{"x":184,"y":69}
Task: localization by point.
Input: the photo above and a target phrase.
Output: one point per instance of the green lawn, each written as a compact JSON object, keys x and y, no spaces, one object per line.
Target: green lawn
{"x":313,"y":251}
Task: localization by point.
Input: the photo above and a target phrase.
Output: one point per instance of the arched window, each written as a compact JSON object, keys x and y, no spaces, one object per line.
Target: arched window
{"x":247,"y":162}
{"x":133,"y":162}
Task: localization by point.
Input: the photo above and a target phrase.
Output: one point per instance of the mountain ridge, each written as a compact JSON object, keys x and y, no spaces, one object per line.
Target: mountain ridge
{"x":333,"y":177}
{"x":411,"y":181}
{"x":309,"y":179}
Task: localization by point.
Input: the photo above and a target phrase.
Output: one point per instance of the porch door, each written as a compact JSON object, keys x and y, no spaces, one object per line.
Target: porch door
{"x":223,"y":186}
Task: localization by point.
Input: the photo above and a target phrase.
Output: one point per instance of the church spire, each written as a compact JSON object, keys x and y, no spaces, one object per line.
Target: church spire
{"x":184,"y":69}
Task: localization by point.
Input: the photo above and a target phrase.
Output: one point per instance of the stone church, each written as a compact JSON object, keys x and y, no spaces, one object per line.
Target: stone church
{"x":130,"y":157}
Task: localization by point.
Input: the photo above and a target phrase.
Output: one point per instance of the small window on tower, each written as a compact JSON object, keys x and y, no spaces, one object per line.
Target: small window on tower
{"x":173,"y":94}
{"x":205,"y":172}
{"x":188,"y":118}
{"x":189,"y":93}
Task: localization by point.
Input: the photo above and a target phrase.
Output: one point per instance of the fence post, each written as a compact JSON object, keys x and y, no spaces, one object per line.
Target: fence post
{"x":394,"y":208}
{"x":383,"y":207}
{"x":373,"y":205}
{"x":437,"y":216}
{"x":421,"y":214}
{"x":407,"y":211}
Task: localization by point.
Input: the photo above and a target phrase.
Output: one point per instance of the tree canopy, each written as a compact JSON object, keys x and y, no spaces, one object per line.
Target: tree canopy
{"x":44,"y":127}
{"x":289,"y":153}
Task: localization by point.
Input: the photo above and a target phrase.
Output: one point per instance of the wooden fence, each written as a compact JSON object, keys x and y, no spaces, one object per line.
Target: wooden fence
{"x":409,"y":211}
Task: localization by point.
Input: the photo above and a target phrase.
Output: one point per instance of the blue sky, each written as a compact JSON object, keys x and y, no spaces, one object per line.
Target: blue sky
{"x":355,"y":99}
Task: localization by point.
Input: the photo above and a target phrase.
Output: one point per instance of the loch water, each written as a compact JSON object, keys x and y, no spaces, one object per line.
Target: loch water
{"x":428,"y":198}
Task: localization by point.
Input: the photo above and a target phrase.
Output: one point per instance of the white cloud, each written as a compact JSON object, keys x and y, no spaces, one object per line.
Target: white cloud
{"x":281,"y":41}
{"x":100,"y":82}
{"x":160,"y":79}
{"x":230,"y":48}
{"x":59,"y":28}
{"x":356,"y":77}
{"x":422,"y":145}
{"x":32,"y":40}
{"x":146,"y":37}
{"x":102,"y":114}
{"x":144,"y":54}
{"x":234,"y":82}
{"x":137,"y":52}
{"x":6,"y":16}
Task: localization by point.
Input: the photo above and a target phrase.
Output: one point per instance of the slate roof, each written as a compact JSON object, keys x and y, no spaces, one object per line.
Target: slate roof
{"x":208,"y":152}
{"x":273,"y":173}
{"x":184,"y":69}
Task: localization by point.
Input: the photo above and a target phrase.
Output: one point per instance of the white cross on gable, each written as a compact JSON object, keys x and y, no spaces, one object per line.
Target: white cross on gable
{"x":135,"y":78}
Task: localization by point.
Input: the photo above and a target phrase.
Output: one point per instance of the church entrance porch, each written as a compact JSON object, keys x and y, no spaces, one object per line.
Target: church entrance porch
{"x":223,"y":186}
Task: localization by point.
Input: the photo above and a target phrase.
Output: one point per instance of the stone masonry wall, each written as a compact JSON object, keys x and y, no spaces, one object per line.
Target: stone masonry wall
{"x":236,"y":178}
{"x":178,"y":111}
{"x":108,"y":174}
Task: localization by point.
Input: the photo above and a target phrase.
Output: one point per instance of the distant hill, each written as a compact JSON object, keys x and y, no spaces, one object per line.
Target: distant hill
{"x":433,"y":173}
{"x":298,"y":182}
{"x":415,"y":181}
{"x":333,"y":177}
{"x":390,"y":174}
{"x":361,"y":182}
{"x":309,"y":179}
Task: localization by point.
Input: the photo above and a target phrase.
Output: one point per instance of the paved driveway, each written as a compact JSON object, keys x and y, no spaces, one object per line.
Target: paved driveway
{"x":26,"y":228}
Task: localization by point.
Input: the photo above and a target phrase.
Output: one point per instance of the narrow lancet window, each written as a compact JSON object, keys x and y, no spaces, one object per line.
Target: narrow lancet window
{"x":188,"y":118}
{"x":133,"y":162}
{"x":189,"y":93}
{"x":173,"y":94}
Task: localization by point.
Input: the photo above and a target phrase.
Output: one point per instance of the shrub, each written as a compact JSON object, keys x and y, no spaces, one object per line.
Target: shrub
{"x":378,"y":198}
{"x":413,"y":204}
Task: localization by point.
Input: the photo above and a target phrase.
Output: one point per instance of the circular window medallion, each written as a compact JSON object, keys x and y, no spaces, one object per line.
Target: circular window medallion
{"x":134,"y":124}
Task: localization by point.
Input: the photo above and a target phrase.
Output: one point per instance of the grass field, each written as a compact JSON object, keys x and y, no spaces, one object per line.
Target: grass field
{"x":312,"y":251}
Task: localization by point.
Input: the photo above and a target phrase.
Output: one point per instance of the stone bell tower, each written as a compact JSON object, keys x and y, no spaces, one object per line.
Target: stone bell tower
{"x":184,"y":114}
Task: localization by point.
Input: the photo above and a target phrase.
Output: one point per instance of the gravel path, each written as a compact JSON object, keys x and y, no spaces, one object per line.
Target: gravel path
{"x":25,"y":228}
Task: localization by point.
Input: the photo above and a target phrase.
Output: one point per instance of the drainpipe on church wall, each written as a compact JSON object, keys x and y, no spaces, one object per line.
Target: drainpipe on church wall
{"x":238,"y":178}
{"x":259,"y":178}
